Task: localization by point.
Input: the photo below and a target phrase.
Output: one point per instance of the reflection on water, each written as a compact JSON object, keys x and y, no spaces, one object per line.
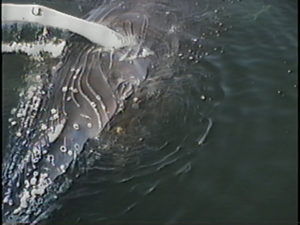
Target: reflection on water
{"x":235,"y":76}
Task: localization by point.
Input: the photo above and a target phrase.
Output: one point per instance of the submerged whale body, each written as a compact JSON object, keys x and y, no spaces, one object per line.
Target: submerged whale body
{"x":78,"y":98}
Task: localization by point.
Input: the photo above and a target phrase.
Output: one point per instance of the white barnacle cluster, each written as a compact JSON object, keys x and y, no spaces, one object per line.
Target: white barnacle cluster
{"x":24,"y":198}
{"x":34,"y":187}
{"x":28,"y":110}
{"x":93,"y":104}
{"x":76,"y":126}
{"x":63,"y":148}
{"x":53,"y":111}
{"x":88,"y":118}
{"x":43,"y":126}
{"x":36,"y":100}
{"x":36,"y":154}
{"x":62,"y":168}
{"x":70,"y":152}
{"x":135,"y":53}
{"x":72,"y":89}
{"x":21,"y":113}
{"x":33,"y":181}
{"x":64,"y":89}
{"x":54,"y":114}
{"x":34,"y":49}
{"x":43,"y":182}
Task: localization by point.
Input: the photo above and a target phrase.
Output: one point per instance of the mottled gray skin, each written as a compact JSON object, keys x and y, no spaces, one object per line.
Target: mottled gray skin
{"x":83,"y":92}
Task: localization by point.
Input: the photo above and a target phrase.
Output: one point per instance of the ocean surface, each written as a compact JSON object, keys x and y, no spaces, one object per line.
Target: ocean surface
{"x":216,"y":144}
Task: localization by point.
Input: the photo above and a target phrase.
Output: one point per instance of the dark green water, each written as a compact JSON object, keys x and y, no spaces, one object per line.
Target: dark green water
{"x":243,"y":173}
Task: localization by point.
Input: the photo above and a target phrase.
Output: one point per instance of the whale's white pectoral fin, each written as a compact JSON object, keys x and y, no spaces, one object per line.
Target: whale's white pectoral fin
{"x":96,"y":33}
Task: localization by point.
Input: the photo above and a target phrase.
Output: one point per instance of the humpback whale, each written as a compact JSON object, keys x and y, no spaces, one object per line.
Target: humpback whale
{"x":78,"y":97}
{"x":73,"y":101}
